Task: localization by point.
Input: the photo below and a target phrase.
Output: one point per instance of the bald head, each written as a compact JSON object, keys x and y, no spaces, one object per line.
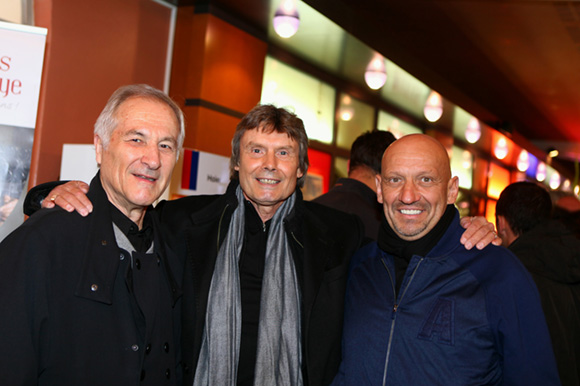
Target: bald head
{"x":415,"y":185}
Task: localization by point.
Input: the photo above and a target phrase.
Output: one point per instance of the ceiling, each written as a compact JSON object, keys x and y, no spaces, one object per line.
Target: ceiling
{"x":514,"y":64}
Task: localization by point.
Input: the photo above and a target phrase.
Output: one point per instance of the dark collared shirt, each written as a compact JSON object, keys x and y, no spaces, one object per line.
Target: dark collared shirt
{"x":140,"y":238}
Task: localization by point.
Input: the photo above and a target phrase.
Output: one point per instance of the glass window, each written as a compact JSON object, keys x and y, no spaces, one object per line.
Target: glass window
{"x":405,"y":91}
{"x":462,"y":203}
{"x":499,"y":178}
{"x":462,"y":166}
{"x":354,"y":118}
{"x":388,"y":122}
{"x":312,"y":100}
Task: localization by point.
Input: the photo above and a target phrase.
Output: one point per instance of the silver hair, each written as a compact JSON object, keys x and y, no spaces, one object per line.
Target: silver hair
{"x":107,"y":121}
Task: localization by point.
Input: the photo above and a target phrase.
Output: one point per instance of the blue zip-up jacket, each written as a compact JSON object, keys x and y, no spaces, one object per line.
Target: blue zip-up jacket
{"x":461,"y":318}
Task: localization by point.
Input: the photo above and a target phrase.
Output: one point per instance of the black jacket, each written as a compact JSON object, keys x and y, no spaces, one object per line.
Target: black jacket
{"x":551,"y":253}
{"x":353,"y":196}
{"x":322,"y":241}
{"x":66,"y":316}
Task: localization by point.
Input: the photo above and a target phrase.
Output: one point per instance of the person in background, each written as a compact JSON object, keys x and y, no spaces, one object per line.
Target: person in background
{"x":94,"y":300}
{"x":566,"y":209}
{"x":357,"y":194}
{"x":266,"y":271}
{"x":422,"y":310}
{"x":551,"y":253}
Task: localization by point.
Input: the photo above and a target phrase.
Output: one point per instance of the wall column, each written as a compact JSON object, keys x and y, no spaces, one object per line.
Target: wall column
{"x":216,"y":77}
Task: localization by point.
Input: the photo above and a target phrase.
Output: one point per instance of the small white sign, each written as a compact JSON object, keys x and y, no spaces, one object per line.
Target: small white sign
{"x":203,"y":173}
{"x":78,"y":163}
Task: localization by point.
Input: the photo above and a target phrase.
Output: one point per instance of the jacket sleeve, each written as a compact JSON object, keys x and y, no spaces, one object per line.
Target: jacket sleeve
{"x":24,"y":307}
{"x":35,"y":196}
{"x":520,"y":329}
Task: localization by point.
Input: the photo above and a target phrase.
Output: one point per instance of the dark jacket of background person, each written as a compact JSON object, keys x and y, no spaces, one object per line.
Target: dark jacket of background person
{"x":352,"y":196}
{"x":551,"y":253}
{"x":355,"y":194}
{"x":322,"y":240}
{"x":67,"y":318}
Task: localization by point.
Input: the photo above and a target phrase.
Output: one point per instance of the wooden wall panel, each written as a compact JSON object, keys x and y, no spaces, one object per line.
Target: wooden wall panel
{"x":92,"y":49}
{"x":216,"y":77}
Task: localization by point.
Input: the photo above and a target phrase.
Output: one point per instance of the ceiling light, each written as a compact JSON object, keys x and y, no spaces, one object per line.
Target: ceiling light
{"x":501,"y":148}
{"x":286,"y":19}
{"x":555,"y":180}
{"x":433,"y":107}
{"x":473,"y":131}
{"x":376,"y":73}
{"x":541,"y":172}
{"x":566,"y":185}
{"x":523,"y":161}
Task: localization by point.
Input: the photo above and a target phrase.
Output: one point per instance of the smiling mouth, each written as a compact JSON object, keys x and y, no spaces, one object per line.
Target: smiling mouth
{"x":410,"y":211}
{"x":151,"y":179}
{"x":268,"y":181}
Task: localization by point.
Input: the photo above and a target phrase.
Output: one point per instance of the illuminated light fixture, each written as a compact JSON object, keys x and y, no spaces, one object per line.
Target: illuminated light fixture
{"x":553,"y":153}
{"x":501,"y":148}
{"x":433,"y":107}
{"x":523,"y":161}
{"x":576,"y":190}
{"x":346,"y":109}
{"x":473,"y":131}
{"x":376,"y":73}
{"x":346,"y":113}
{"x":555,"y":180}
{"x":566,"y":185}
{"x":541,"y":172}
{"x":467,"y":160}
{"x":286,"y":19}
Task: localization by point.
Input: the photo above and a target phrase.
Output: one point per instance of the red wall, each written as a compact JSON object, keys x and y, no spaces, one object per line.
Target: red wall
{"x":93,"y":47}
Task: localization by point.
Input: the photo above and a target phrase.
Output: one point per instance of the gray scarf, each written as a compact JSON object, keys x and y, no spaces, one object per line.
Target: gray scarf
{"x":279,"y":354}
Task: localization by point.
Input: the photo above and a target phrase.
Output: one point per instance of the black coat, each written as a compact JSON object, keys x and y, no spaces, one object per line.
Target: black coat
{"x":552,"y":255}
{"x":322,"y":241}
{"x":65,"y":314}
{"x":352,"y":196}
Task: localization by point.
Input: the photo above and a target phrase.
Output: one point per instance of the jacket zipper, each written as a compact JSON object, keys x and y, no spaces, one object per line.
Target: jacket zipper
{"x":394,"y":313}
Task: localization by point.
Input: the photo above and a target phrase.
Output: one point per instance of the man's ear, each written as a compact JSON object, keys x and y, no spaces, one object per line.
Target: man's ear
{"x":505,"y":231}
{"x":98,"y":148}
{"x":378,"y":181}
{"x":299,"y":173}
{"x":452,"y":190}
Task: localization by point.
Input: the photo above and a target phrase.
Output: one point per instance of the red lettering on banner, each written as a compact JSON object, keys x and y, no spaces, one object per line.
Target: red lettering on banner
{"x":5,"y":63}
{"x":8,"y":86}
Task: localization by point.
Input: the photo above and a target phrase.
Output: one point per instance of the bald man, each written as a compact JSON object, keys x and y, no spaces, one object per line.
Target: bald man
{"x":421,"y":309}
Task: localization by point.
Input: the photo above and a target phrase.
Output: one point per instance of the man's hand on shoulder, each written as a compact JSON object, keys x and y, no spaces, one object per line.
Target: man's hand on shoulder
{"x":70,"y":196}
{"x":478,"y":232}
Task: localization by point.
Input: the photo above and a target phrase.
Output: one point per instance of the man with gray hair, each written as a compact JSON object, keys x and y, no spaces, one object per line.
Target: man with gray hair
{"x":89,"y":300}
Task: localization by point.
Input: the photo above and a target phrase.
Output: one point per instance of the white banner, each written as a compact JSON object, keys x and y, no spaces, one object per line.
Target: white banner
{"x":21,"y":58}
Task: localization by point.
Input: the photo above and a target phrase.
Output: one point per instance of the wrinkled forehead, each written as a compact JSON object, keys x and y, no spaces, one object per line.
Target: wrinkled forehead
{"x":267,"y":135}
{"x":419,"y":152}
